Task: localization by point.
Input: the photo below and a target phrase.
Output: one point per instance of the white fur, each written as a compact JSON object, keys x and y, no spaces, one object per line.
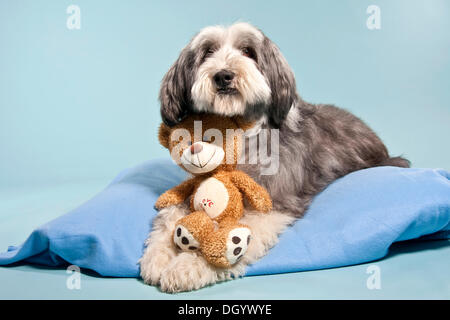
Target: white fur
{"x":162,"y":265}
{"x":249,"y":81}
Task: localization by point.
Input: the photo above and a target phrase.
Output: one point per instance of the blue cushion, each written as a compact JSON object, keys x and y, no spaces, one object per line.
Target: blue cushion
{"x":354,"y":220}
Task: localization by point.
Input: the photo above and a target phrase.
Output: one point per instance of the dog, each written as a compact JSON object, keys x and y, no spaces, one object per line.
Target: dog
{"x":238,"y":70}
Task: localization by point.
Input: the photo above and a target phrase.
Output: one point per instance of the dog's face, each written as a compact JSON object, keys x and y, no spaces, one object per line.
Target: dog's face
{"x":229,"y":71}
{"x":228,"y":77}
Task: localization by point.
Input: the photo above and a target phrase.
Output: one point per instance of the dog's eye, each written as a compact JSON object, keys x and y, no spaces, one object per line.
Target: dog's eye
{"x":249,"y":52}
{"x":208,"y":53}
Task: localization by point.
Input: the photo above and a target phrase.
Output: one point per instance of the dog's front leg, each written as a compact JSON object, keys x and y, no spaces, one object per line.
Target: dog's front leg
{"x":190,"y":271}
{"x":160,"y":250}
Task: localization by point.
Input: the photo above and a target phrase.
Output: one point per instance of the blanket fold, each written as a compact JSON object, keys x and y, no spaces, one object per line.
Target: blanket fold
{"x":354,"y":220}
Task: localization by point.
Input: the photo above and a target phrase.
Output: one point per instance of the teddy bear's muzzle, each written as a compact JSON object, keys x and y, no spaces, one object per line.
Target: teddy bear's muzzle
{"x":202,"y":157}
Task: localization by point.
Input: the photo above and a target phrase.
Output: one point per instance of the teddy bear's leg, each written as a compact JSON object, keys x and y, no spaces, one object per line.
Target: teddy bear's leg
{"x":227,"y":245}
{"x":191,"y":230}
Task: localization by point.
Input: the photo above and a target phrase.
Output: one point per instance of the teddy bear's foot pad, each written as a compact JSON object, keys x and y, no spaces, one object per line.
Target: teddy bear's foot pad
{"x":237,"y":243}
{"x":184,"y":240}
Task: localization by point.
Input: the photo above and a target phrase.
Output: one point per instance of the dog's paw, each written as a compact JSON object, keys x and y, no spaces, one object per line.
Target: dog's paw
{"x":187,"y":272}
{"x":184,"y":240}
{"x":154,"y":261}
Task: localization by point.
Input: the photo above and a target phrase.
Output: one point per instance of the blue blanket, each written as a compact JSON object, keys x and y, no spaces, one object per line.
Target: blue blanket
{"x":354,"y":220}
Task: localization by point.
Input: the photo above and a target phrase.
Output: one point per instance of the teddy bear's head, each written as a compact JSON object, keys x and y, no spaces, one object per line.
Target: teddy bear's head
{"x":202,"y":143}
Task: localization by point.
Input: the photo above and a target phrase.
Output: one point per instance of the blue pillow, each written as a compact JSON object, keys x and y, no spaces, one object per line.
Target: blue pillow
{"x":354,"y":220}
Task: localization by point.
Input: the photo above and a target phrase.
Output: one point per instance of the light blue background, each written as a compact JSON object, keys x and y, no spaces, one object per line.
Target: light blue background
{"x":78,"y":105}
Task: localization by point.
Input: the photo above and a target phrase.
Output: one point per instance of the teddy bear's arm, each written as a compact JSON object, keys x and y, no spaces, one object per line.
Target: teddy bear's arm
{"x":177,"y":194}
{"x":257,"y":195}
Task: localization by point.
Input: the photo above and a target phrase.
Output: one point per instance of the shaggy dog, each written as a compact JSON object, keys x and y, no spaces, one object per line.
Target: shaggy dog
{"x":239,"y":71}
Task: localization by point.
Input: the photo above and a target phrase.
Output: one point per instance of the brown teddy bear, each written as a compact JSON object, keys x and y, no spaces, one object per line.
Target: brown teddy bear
{"x":208,"y":147}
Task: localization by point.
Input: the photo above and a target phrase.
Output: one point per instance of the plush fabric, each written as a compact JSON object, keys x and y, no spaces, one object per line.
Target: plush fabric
{"x":216,"y":199}
{"x":354,"y":220}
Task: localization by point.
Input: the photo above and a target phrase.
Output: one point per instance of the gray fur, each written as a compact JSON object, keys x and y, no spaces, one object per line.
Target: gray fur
{"x":318,"y":143}
{"x":281,"y":81}
{"x":174,"y":94}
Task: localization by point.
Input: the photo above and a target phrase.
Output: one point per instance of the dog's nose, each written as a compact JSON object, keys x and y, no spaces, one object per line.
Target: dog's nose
{"x":196,"y":148}
{"x":223,"y":78}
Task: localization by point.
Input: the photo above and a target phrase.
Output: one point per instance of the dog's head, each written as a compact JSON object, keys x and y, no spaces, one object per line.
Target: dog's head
{"x":201,"y":143}
{"x":229,"y":71}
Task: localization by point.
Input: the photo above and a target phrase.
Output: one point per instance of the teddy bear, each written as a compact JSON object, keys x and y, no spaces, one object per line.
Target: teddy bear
{"x":208,"y":147}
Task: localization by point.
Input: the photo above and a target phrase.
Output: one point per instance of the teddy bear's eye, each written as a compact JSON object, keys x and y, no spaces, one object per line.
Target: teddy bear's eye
{"x":208,"y":138}
{"x":189,"y":143}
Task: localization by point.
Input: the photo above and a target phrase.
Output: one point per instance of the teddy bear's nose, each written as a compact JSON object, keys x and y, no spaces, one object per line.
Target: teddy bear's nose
{"x":196,"y":148}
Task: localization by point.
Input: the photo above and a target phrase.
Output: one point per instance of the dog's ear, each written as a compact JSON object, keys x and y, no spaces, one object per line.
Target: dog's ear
{"x":174,"y":94}
{"x":281,"y":81}
{"x":164,"y":135}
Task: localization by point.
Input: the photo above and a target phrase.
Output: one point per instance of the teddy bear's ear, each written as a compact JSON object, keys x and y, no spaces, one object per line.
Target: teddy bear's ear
{"x":243,"y":124}
{"x":164,"y":135}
